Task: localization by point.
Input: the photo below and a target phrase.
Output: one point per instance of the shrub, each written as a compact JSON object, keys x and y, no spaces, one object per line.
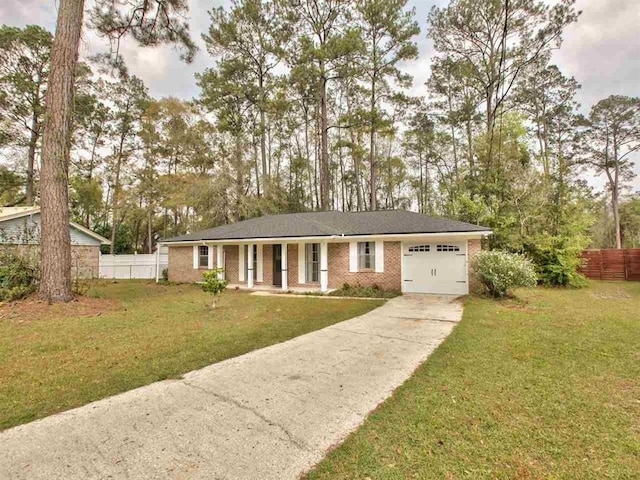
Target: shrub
{"x":18,"y":276}
{"x":557,"y":260}
{"x":214,"y":283}
{"x":165,"y":274}
{"x":499,"y":271}
{"x":374,"y":291}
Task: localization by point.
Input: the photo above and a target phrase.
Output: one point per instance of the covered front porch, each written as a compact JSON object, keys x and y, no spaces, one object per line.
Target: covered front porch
{"x":268,"y":265}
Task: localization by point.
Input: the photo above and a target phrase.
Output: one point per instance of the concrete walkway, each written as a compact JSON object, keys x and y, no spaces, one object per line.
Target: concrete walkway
{"x":270,"y":414}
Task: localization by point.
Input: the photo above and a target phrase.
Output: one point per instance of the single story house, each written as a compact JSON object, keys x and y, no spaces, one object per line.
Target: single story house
{"x":396,"y":250}
{"x":20,"y":230}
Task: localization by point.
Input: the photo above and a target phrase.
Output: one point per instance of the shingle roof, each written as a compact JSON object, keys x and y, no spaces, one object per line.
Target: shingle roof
{"x":319,"y":224}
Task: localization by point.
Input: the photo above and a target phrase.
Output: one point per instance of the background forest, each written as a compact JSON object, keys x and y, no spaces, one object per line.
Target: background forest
{"x":306,"y":106}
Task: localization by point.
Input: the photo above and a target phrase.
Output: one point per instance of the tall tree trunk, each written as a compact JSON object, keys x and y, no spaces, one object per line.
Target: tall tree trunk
{"x":373,"y":204}
{"x":324,"y":147}
{"x":257,"y":168}
{"x":263,"y":139}
{"x":116,"y":198}
{"x":615,"y":191}
{"x":453,"y":141}
{"x":239,"y":179}
{"x":472,"y":167}
{"x":55,"y":238}
{"x":150,"y":229}
{"x":616,"y":217}
{"x":31,"y":158}
{"x":355,"y":155}
{"x":310,"y":171}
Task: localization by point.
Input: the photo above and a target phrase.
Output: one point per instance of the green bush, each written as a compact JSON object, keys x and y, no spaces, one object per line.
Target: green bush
{"x":373,"y":291}
{"x":213,"y":283}
{"x":18,"y":276}
{"x":498,"y":271}
{"x":557,"y":260}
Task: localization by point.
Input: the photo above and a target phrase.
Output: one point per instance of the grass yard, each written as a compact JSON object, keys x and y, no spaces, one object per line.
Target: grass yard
{"x":131,"y":333}
{"x":544,"y":387}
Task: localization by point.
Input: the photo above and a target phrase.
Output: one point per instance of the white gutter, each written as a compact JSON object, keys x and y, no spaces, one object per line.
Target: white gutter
{"x":390,"y":236}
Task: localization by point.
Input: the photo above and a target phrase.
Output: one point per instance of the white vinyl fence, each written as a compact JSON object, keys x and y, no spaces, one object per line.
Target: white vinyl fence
{"x":134,"y":266}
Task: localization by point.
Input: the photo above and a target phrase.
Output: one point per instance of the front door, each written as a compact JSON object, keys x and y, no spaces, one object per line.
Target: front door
{"x":277,"y":265}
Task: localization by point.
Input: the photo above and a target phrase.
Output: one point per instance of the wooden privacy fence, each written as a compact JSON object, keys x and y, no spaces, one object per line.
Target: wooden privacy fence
{"x":611,"y":264}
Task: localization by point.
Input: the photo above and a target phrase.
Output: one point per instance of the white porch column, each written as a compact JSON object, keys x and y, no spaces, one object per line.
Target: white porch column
{"x":220,"y":260}
{"x":324,"y":267}
{"x":210,"y":247}
{"x":285,"y":267}
{"x":249,"y":261}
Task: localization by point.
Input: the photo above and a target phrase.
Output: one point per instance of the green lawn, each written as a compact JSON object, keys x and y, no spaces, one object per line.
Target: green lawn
{"x":544,"y":387}
{"x":53,"y":358}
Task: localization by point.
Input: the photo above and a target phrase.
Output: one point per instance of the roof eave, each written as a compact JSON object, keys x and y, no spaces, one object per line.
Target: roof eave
{"x":472,"y":233}
{"x":20,"y":215}
{"x":90,"y":233}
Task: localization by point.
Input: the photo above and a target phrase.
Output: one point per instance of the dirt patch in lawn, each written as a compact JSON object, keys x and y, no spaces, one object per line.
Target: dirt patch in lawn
{"x":33,"y":309}
{"x":611,"y":295}
{"x":521,"y":308}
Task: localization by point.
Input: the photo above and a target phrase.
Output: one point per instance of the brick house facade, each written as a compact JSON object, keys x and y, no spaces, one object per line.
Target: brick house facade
{"x":181,"y":266}
{"x":394,"y":250}
{"x":390,"y":279}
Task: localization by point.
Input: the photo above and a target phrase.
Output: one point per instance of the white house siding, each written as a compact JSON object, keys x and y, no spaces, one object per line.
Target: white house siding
{"x":26,"y":231}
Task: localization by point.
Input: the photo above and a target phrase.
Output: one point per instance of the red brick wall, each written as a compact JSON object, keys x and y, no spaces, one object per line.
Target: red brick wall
{"x":85,"y":261}
{"x":292,"y":265}
{"x":181,"y":265}
{"x":473,"y":247}
{"x":232,"y":262}
{"x":339,"y":273}
{"x":267,"y":265}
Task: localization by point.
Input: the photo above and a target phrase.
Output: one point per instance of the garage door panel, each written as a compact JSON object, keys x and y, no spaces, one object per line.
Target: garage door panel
{"x":439,"y":268}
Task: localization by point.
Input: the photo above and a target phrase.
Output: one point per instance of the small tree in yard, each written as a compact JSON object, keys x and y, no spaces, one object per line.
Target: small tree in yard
{"x":499,"y":272}
{"x":214,"y":283}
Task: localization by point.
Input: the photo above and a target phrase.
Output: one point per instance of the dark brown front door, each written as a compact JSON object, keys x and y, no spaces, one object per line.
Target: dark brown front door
{"x":277,"y":265}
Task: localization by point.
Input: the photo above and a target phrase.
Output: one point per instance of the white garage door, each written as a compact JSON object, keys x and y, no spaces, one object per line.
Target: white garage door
{"x":439,"y":268}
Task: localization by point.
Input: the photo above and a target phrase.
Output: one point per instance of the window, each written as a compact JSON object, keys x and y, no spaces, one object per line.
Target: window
{"x":248,"y":259}
{"x":312,"y":262}
{"x":448,"y":248}
{"x":203,"y":257}
{"x":366,"y":255}
{"x":419,"y":248}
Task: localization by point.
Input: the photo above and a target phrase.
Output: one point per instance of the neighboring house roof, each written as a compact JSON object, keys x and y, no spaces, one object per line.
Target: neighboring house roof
{"x":325,"y":224}
{"x":9,"y":213}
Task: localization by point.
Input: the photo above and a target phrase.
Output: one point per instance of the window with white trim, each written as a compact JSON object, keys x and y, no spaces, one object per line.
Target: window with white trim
{"x":366,"y":256}
{"x":420,"y":248}
{"x":447,"y":248}
{"x":203,"y":256}
{"x":312,"y":262}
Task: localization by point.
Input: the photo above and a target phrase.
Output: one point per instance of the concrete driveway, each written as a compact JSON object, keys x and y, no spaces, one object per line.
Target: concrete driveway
{"x":270,"y":414}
